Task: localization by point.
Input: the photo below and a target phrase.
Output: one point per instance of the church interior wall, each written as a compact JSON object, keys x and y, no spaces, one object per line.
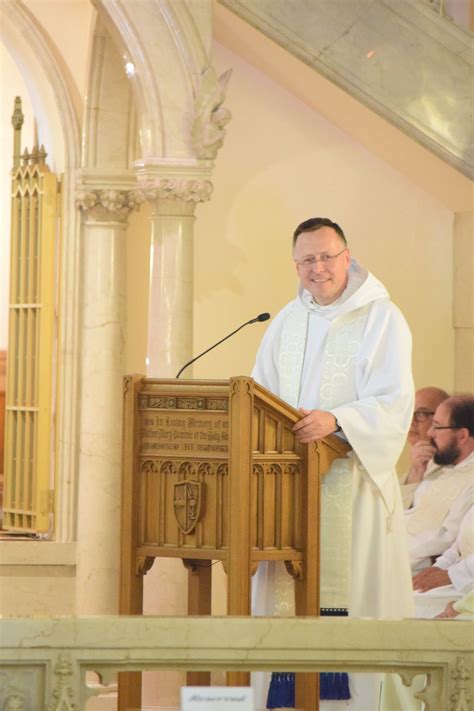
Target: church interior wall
{"x":281,"y":163}
{"x":71,"y":48}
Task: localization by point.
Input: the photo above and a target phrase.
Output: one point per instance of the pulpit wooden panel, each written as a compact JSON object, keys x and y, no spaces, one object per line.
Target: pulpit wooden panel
{"x":212,"y":471}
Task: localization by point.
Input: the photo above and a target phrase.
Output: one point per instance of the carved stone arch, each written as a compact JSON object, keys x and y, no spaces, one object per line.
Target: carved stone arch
{"x":110,"y":131}
{"x":164,"y":74}
{"x":52,"y":90}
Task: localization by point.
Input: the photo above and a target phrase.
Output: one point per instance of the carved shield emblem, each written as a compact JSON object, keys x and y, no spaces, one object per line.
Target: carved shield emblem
{"x":187,"y":504}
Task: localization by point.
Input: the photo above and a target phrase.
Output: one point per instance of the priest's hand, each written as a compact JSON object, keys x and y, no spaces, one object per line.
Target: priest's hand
{"x":314,"y":425}
{"x":448,"y":612}
{"x":430,"y":578}
{"x":421,"y":453}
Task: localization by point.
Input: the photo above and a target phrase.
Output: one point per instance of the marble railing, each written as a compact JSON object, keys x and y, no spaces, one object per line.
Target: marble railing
{"x":44,"y":661}
{"x":405,"y":60}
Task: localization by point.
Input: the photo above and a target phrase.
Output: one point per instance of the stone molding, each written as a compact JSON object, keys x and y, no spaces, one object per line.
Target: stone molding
{"x":45,"y":658}
{"x":107,"y":205}
{"x":190,"y":190}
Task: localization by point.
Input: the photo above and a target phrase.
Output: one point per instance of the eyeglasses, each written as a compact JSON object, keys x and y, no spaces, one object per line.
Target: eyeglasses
{"x":445,"y":427}
{"x":309,"y":262}
{"x":422,"y":415}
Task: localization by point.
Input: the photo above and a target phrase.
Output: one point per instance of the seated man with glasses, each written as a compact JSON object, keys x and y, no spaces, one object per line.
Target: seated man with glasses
{"x":422,"y":450}
{"x":440,"y":501}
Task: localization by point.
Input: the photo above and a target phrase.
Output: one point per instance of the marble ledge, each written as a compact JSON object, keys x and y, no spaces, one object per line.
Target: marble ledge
{"x":21,"y":552}
{"x":294,"y":640}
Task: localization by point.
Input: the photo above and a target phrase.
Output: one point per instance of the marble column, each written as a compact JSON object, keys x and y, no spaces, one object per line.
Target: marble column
{"x":103,"y":339}
{"x":463,"y":302}
{"x":170,"y":320}
{"x":170,"y":323}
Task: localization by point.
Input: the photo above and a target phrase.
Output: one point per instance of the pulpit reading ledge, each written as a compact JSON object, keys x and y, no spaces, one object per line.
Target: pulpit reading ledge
{"x":213,"y":472}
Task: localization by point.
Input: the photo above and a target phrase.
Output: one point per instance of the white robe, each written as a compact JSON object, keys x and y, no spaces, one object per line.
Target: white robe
{"x":375,"y":423}
{"x":435,"y":508}
{"x":458,"y":561}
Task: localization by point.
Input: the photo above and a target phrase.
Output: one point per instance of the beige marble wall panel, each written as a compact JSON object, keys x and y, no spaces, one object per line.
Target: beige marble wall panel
{"x":37,"y":590}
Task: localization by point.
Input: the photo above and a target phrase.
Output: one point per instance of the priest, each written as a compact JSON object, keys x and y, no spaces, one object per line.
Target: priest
{"x":341,"y":354}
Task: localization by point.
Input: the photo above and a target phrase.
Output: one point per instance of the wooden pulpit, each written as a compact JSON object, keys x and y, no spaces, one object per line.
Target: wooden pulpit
{"x":213,"y":472}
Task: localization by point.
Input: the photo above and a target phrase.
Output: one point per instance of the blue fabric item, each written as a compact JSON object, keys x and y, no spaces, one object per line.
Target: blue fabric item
{"x":281,"y":692}
{"x":332,"y":685}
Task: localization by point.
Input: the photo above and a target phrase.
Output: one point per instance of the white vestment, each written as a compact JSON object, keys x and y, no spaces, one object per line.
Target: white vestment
{"x":435,"y":509}
{"x":458,"y":561}
{"x":328,"y":354}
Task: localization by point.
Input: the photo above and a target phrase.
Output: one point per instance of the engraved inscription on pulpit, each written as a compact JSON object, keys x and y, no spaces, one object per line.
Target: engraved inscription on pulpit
{"x":202,"y":434}
{"x":183,"y":459}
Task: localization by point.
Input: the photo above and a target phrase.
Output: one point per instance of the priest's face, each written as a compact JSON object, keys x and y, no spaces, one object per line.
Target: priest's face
{"x":322,"y":262}
{"x":426,"y":402}
{"x":444,"y":440}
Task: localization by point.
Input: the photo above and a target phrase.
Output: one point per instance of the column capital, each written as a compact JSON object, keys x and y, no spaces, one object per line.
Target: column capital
{"x":186,"y":181}
{"x":109,"y":205}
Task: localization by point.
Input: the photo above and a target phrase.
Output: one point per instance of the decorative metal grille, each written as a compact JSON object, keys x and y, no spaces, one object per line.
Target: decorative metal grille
{"x":29,"y":391}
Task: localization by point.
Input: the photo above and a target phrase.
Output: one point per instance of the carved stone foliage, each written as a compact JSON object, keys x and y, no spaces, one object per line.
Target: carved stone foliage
{"x":15,"y":700}
{"x":108,"y":205}
{"x":461,"y":680}
{"x":185,"y":189}
{"x":165,"y":402}
{"x":63,"y":694}
{"x":210,"y":116}
{"x":22,"y":686}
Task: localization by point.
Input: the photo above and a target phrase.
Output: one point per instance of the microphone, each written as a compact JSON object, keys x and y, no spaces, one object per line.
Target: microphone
{"x":260,"y":317}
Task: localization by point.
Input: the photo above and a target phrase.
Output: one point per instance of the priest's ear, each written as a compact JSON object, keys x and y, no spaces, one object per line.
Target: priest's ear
{"x":464,"y":435}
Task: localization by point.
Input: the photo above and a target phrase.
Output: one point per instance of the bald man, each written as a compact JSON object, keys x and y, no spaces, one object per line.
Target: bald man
{"x":437,"y":504}
{"x":422,"y":449}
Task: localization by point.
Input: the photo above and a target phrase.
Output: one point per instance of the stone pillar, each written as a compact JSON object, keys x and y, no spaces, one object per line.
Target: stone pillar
{"x":102,"y":368}
{"x":170,"y":319}
{"x":463,"y":302}
{"x":170,"y":324}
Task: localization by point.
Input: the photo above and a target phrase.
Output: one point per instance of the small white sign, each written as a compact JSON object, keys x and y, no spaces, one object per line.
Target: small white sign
{"x":217,"y":698}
